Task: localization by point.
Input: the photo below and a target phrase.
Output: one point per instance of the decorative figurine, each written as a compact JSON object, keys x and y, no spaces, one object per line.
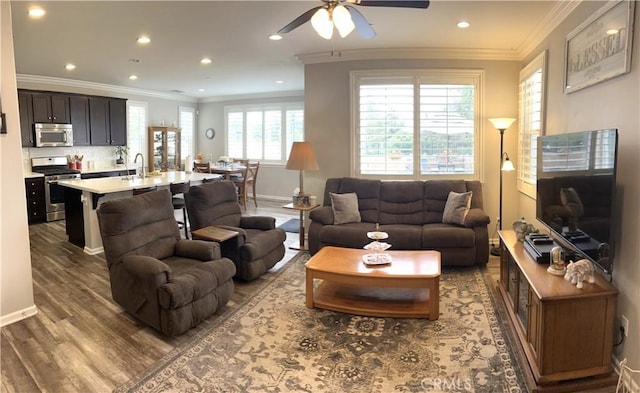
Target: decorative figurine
{"x":557,"y":266}
{"x":522,"y":229}
{"x":577,"y":272}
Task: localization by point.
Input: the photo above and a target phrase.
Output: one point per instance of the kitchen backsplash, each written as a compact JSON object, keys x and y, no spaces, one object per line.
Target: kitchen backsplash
{"x":97,"y":157}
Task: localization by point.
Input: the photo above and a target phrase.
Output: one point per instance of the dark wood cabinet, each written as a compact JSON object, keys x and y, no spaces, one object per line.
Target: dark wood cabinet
{"x":108,"y":121}
{"x":97,"y":121}
{"x":36,"y":208}
{"x":50,"y":108}
{"x":79,"y":109}
{"x":566,"y":333}
{"x":26,"y":118}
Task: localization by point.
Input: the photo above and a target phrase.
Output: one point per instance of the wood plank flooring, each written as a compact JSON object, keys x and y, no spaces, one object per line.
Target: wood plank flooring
{"x":80,"y":340}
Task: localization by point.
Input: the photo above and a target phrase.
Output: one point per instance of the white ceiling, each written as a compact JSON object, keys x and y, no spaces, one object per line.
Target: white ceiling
{"x":99,"y":37}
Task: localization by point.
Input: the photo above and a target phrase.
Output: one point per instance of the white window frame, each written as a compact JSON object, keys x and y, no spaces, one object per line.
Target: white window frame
{"x":423,"y":76}
{"x":527,"y":135}
{"x":264,"y":107}
{"x":140,"y":139}
{"x":187,"y":136}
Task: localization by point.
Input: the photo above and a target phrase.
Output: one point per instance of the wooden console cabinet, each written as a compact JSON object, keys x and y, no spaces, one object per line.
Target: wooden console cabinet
{"x":566,"y":333}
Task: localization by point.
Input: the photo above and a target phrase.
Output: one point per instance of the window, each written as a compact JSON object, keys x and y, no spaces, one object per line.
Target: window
{"x":186,"y":117}
{"x":263,"y":132}
{"x":531,"y":108}
{"x":137,"y":127}
{"x":417,"y":125}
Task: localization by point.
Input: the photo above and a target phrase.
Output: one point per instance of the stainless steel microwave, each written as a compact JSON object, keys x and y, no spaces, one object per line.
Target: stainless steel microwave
{"x":52,"y":135}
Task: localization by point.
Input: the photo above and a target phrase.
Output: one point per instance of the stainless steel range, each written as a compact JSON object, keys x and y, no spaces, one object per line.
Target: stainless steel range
{"x":54,"y":169}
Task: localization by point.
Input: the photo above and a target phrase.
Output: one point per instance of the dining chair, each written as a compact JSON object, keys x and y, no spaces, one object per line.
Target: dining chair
{"x":178,"y":202}
{"x":248,"y":180}
{"x":202,"y":167}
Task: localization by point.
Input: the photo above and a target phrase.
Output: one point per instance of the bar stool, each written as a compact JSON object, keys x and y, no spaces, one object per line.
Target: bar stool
{"x":178,"y":202}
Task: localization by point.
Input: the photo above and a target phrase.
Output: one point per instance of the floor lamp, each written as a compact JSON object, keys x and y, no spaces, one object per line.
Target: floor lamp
{"x":501,"y":124}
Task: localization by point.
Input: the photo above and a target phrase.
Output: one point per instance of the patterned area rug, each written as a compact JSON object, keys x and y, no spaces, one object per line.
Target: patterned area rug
{"x":273,"y":343}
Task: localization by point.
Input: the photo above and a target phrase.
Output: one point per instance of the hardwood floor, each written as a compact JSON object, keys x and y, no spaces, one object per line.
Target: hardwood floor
{"x":80,"y":340}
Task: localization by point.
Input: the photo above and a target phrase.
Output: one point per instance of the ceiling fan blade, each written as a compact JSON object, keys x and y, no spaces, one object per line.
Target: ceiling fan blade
{"x":394,"y":3}
{"x":362,"y":25}
{"x":297,"y":22}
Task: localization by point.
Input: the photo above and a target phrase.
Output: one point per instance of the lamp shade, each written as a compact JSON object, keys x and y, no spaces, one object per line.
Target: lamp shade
{"x":342,"y":20}
{"x":507,"y":165}
{"x":301,"y":157}
{"x":322,"y":24}
{"x":502,"y":123}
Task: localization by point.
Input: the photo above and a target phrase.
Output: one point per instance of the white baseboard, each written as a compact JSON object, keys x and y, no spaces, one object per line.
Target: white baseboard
{"x":18,"y":316}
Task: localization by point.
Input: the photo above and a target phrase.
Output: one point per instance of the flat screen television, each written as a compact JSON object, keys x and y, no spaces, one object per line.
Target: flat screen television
{"x":576,"y":185}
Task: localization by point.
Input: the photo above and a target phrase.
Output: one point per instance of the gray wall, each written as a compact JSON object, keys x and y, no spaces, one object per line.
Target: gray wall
{"x":611,"y":104}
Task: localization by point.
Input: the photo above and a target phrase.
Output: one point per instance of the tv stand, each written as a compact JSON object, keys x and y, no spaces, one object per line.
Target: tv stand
{"x":566,"y":333}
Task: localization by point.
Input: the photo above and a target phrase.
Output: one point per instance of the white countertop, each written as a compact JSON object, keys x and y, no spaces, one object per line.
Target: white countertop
{"x":28,"y":175}
{"x":106,"y":185}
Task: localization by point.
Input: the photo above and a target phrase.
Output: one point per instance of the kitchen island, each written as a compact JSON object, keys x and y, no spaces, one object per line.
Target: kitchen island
{"x":83,"y":196}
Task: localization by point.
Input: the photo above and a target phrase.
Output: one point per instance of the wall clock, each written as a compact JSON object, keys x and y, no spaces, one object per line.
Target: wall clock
{"x":210,"y":133}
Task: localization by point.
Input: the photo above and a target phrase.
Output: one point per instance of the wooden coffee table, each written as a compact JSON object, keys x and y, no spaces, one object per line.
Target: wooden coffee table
{"x":406,"y":288}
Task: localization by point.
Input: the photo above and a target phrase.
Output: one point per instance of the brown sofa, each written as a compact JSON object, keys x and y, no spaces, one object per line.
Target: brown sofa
{"x":411,"y":212}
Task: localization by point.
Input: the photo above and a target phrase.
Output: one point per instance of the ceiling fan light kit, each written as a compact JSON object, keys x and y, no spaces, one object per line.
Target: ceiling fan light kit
{"x":345,"y":17}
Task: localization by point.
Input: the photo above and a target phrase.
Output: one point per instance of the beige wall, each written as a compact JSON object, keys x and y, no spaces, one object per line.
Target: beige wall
{"x":611,"y":104}
{"x":16,"y":288}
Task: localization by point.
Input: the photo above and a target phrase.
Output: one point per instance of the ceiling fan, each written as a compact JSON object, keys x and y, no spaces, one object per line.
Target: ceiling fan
{"x":345,"y":17}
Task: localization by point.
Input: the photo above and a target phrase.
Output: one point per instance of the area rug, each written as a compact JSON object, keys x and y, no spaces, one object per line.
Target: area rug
{"x":292,"y":225}
{"x":273,"y":343}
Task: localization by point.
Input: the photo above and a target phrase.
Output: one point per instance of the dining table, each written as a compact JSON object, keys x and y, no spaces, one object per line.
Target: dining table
{"x":227,"y":170}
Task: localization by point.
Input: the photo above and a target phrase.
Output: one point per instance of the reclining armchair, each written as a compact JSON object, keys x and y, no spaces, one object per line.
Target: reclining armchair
{"x":167,"y":282}
{"x":259,"y":244}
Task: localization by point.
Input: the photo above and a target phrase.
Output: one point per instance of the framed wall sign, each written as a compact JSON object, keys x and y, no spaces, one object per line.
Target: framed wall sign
{"x":600,"y":48}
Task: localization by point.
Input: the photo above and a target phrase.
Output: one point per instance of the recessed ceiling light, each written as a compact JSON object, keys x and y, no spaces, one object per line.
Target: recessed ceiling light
{"x":200,"y":90}
{"x":463,"y":24}
{"x":134,"y":60}
{"x":205,"y":60}
{"x":143,"y":39}
{"x":613,"y":31}
{"x":36,"y":12}
{"x":275,"y":37}
{"x":70,"y":67}
{"x":133,"y":77}
{"x":279,"y":82}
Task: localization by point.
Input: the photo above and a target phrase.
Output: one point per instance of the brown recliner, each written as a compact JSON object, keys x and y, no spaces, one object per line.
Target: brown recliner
{"x":259,"y":245}
{"x":167,"y":282}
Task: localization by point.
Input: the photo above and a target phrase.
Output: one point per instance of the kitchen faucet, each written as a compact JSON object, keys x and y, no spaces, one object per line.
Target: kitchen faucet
{"x":135,"y":160}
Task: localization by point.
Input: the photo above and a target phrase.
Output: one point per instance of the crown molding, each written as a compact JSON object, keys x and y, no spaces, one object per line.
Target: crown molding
{"x":409,"y":53}
{"x":553,"y":19}
{"x":109,"y":89}
{"x":240,"y":97}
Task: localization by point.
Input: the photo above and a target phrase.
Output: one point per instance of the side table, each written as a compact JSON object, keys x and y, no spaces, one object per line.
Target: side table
{"x":213,"y":233}
{"x":301,"y":245}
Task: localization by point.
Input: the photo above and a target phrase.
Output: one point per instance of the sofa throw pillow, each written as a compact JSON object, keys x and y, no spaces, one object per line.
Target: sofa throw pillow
{"x":571,"y":201}
{"x":345,"y":208}
{"x":457,"y":207}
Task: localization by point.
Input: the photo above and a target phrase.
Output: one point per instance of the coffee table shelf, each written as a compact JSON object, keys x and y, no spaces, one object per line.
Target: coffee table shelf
{"x":407,"y":288}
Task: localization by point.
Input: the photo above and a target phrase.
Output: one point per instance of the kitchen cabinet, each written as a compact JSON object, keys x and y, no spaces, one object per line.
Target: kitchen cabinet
{"x":79,"y":109}
{"x":164,"y":148}
{"x":26,"y":118}
{"x":36,"y":208}
{"x":565,"y":333}
{"x":108,"y":121}
{"x":50,"y":108}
